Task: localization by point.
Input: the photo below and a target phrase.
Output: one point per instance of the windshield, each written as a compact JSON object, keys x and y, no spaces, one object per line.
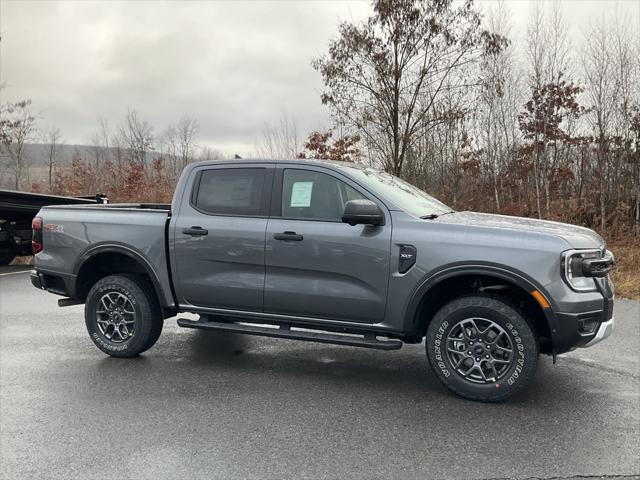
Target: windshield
{"x":409,"y":198}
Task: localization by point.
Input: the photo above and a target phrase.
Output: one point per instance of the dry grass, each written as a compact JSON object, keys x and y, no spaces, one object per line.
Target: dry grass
{"x":626,"y":275}
{"x":22,"y":261}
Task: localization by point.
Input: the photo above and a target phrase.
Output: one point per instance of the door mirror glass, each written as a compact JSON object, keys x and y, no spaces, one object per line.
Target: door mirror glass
{"x":362,"y":212}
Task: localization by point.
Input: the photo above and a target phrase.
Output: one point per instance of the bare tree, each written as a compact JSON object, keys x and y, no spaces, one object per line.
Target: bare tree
{"x":17,"y":127}
{"x":187,"y":129}
{"x":547,"y":52}
{"x":602,"y":91}
{"x":51,"y":139}
{"x":386,"y":75}
{"x":500,"y":97}
{"x":208,"y":153}
{"x":168,"y":146}
{"x":177,"y":143}
{"x":280,"y":140}
{"x":100,"y":143}
{"x":138,"y":137}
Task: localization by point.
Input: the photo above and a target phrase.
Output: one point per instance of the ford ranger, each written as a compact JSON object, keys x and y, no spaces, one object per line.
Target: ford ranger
{"x":335,"y":253}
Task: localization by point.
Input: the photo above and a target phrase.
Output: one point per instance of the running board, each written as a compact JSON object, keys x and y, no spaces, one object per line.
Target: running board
{"x":285,"y":332}
{"x":68,"y":302}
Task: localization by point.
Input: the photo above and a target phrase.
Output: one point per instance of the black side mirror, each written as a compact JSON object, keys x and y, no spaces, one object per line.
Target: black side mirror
{"x":362,"y":212}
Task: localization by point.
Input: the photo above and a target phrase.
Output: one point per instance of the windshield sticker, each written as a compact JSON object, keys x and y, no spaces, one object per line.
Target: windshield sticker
{"x":301,"y":194}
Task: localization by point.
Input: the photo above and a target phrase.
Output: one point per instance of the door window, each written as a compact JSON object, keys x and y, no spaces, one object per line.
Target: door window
{"x":312,"y":195}
{"x":231,"y":191}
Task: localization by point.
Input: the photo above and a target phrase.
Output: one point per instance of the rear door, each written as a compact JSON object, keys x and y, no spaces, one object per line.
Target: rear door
{"x":317,"y":266}
{"x":219,"y":237}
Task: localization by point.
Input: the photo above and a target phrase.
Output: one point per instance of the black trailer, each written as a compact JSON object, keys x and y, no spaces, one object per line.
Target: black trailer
{"x":17,"y":209}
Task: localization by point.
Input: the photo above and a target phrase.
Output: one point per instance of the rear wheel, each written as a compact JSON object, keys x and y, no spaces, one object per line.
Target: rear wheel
{"x":482,"y":348}
{"x":122,"y":315}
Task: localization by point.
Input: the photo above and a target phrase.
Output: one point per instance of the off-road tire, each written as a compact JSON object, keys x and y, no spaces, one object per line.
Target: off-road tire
{"x":519,"y":373}
{"x":148,"y":318}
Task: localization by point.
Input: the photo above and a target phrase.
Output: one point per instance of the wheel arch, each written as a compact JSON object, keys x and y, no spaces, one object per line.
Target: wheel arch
{"x":108,"y":259}
{"x":452,"y":281}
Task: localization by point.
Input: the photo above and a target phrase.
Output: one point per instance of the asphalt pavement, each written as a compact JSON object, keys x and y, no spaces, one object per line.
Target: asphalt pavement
{"x":208,"y":405}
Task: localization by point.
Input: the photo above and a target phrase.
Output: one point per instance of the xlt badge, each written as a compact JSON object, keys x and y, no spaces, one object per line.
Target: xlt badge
{"x":407,"y":258}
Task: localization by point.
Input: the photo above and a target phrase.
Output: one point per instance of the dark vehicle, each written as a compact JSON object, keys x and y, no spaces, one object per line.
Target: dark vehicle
{"x":17,"y":209}
{"x":334,"y":253}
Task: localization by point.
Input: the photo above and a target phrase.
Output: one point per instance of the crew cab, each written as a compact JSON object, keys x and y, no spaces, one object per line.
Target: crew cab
{"x":336,"y":253}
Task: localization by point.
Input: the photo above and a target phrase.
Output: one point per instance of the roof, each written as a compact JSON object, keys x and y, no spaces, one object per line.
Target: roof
{"x":337,"y":165}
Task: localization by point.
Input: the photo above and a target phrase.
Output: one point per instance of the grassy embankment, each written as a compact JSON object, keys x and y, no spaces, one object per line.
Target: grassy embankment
{"x":626,"y":275}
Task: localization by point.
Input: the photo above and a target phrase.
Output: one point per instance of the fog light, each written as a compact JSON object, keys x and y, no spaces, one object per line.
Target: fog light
{"x":587,"y":326}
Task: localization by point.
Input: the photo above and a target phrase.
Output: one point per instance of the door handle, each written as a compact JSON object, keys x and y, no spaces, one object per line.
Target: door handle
{"x":288,"y":236}
{"x":195,"y":231}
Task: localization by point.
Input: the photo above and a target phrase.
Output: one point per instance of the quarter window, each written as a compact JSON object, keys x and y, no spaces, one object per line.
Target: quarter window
{"x":231,"y":191}
{"x":312,"y":195}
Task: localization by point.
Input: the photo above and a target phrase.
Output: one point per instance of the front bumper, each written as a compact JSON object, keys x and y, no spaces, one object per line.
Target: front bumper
{"x":584,"y":325}
{"x":604,"y":330}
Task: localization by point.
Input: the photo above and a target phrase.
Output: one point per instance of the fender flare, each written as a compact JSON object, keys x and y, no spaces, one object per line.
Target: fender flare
{"x":518,"y":278}
{"x":123,"y":249}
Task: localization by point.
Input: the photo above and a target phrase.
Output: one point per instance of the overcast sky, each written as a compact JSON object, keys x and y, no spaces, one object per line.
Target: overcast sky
{"x":233,"y":65}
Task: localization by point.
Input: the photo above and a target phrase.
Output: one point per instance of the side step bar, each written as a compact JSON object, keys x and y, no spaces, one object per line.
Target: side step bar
{"x":285,"y":332}
{"x":68,"y":302}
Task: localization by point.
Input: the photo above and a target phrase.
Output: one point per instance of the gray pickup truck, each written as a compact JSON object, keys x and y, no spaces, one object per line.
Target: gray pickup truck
{"x":334,"y":253}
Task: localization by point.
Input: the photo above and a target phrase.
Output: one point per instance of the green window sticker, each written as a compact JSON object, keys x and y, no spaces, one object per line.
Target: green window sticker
{"x":301,"y":194}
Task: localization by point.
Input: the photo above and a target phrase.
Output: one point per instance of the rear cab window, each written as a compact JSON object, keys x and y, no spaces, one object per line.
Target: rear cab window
{"x":231,"y":191}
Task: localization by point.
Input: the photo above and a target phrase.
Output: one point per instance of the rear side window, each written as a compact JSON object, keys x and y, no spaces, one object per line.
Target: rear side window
{"x":231,"y":191}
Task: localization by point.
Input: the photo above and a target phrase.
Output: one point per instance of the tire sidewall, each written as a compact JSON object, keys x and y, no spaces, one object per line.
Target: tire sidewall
{"x":140,"y":305}
{"x":518,"y":330}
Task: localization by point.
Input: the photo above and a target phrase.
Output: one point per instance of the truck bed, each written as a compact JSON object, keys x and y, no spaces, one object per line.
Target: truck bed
{"x":69,"y":239}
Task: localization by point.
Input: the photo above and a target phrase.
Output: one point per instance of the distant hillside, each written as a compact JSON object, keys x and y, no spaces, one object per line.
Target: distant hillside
{"x":37,"y":155}
{"x":36,"y":159}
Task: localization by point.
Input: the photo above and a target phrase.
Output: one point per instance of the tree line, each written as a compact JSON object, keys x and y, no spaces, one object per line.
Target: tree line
{"x":445,"y":98}
{"x":433,"y":91}
{"x":127,"y":161}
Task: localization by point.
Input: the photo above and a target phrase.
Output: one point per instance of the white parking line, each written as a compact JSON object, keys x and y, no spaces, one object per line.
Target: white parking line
{"x":14,"y":273}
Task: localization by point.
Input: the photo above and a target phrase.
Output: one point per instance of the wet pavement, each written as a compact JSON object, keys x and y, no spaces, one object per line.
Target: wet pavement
{"x":208,"y":405}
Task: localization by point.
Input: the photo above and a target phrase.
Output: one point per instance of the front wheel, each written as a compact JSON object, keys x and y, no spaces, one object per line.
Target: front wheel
{"x":481,"y":348}
{"x":122,"y":315}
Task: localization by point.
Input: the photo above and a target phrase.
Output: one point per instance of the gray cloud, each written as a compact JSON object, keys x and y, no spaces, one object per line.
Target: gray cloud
{"x":232,"y":65}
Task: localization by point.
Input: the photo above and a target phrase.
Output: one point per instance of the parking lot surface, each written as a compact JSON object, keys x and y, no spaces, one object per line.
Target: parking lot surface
{"x":207,"y":405}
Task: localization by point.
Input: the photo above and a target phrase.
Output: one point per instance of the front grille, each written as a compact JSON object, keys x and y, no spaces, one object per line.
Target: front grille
{"x":598,"y":267}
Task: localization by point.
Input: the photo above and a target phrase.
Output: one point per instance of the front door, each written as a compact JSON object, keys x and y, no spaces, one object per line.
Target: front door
{"x":317,"y":266}
{"x":219,"y":237}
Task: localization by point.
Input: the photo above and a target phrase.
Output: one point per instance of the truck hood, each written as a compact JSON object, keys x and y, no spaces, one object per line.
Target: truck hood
{"x":576,"y":237}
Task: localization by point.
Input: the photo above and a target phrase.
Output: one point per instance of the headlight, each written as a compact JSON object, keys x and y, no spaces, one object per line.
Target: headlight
{"x":573,"y":263}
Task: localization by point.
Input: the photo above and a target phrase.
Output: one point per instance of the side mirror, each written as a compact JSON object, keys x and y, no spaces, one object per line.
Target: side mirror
{"x":362,"y":212}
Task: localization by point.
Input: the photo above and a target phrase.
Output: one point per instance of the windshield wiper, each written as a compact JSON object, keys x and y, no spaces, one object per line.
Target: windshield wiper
{"x":433,"y":216}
